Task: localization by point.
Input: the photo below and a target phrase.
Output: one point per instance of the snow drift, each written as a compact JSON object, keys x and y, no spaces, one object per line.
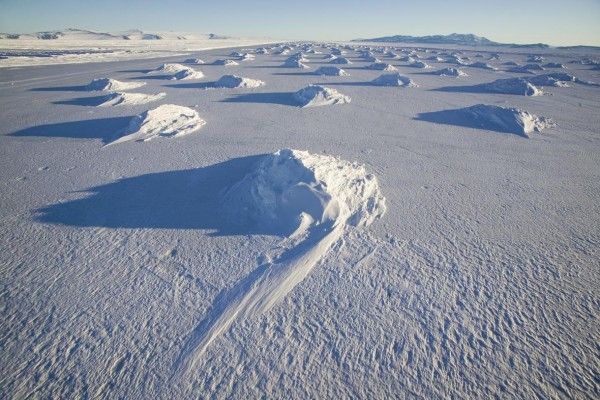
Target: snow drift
{"x":234,"y":81}
{"x":311,"y":200}
{"x":130,"y":99}
{"x":511,"y":86}
{"x":108,"y":84}
{"x":316,"y":95}
{"x":394,"y":80}
{"x":227,"y":63}
{"x":330,"y":71}
{"x":166,"y":120}
{"x":381,"y":67}
{"x":455,"y":72}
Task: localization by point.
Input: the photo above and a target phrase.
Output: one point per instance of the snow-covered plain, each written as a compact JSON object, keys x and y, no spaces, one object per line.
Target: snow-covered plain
{"x":157,"y":269}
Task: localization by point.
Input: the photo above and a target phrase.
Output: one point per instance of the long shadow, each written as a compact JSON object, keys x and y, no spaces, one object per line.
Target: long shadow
{"x":139,"y":71}
{"x":154,"y":77}
{"x":83,"y":101}
{"x":283,"y":98}
{"x":460,"y":117}
{"x":183,"y":199}
{"x":105,"y":129}
{"x":464,"y":89}
{"x":195,"y":85}
{"x":368,"y":83}
{"x":82,"y":88}
{"x":295,"y":73}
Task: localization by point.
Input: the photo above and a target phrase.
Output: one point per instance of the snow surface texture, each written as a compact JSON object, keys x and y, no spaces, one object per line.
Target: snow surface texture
{"x":130,"y":99}
{"x":311,"y":198}
{"x":108,"y":84}
{"x":233,"y":81}
{"x":167,"y":120}
{"x":480,"y":281}
{"x":316,"y":95}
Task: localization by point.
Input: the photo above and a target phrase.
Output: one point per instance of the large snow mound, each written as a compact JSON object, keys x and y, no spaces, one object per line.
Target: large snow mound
{"x":227,"y":63}
{"x":108,"y":84}
{"x":130,"y":99}
{"x":290,"y":185}
{"x":455,"y":72}
{"x":381,"y":66}
{"x":187,"y":73}
{"x":234,"y":81}
{"x":340,"y":60}
{"x":505,"y":119}
{"x":394,"y":79}
{"x":316,"y":95}
{"x":169,"y":68}
{"x":330,"y":71}
{"x":166,"y":120}
{"x":511,"y":86}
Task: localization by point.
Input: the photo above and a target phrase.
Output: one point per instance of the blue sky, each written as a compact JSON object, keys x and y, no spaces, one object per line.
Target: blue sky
{"x":551,"y":21}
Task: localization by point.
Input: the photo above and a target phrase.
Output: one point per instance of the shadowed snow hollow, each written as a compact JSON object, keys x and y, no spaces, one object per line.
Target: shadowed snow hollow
{"x":108,"y":84}
{"x":316,"y":95}
{"x":165,"y":120}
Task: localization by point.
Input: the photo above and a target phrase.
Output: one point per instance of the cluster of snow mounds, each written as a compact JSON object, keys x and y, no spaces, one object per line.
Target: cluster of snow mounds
{"x":504,"y":119}
{"x":511,"y":86}
{"x":227,"y":63}
{"x":316,"y":95}
{"x":394,"y":79}
{"x":558,"y":79}
{"x":234,"y":81}
{"x":108,"y":84}
{"x":130,"y":99}
{"x":381,"y":66}
{"x":290,"y":185}
{"x":165,"y":120}
{"x":455,"y":72}
{"x":330,"y":71}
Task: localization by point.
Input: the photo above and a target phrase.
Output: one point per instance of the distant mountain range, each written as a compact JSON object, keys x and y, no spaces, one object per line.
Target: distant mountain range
{"x":82,"y":34}
{"x":463,"y":39}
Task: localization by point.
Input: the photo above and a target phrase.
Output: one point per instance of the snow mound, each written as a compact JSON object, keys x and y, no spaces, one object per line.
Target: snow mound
{"x":294,"y":62}
{"x":455,"y":72}
{"x":187,"y":73}
{"x":394,"y":80}
{"x":165,"y":120}
{"x":340,"y":60}
{"x":130,"y":99}
{"x":227,"y":63}
{"x":511,"y":86}
{"x":330,"y":71}
{"x":554,"y":65}
{"x":381,"y":66}
{"x":262,"y":50}
{"x":234,"y":81}
{"x":196,"y":61}
{"x":419,"y":64}
{"x":169,"y":68}
{"x":372,"y":59}
{"x":316,"y":95}
{"x":247,"y":57}
{"x":504,"y":119}
{"x":108,"y":84}
{"x":482,"y":65}
{"x":291,"y":185}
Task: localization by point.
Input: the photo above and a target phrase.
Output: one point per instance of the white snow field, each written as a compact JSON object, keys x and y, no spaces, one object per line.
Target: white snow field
{"x":410,"y":246}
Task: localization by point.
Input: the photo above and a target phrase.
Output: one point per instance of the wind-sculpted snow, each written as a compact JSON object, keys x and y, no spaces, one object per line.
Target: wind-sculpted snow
{"x":108,"y":84}
{"x":316,"y":95}
{"x":394,"y":79}
{"x":234,"y":81}
{"x":130,"y":99}
{"x":167,"y":120}
{"x":330,"y":71}
{"x":312,"y":200}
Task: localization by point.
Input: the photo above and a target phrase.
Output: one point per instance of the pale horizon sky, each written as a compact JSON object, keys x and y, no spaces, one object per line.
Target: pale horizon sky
{"x":555,"y":22}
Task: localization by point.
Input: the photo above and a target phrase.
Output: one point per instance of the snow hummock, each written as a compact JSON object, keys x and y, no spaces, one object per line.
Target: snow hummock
{"x":419,"y":64}
{"x":330,"y":71}
{"x":559,"y":79}
{"x":294,"y":62}
{"x":234,"y":81}
{"x":511,"y":86}
{"x":313,"y":200}
{"x":166,"y":120}
{"x":197,"y":61}
{"x":340,"y":60}
{"x":316,"y":95}
{"x":381,"y":66}
{"x":169,"y":68}
{"x":394,"y":79}
{"x":481,"y":65}
{"x":505,"y":119}
{"x":109,"y":84}
{"x":187,"y":73}
{"x":455,"y":72}
{"x":227,"y":62}
{"x":130,"y":99}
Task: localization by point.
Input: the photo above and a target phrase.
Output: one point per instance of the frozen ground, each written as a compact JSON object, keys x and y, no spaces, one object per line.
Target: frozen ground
{"x":124,"y":275}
